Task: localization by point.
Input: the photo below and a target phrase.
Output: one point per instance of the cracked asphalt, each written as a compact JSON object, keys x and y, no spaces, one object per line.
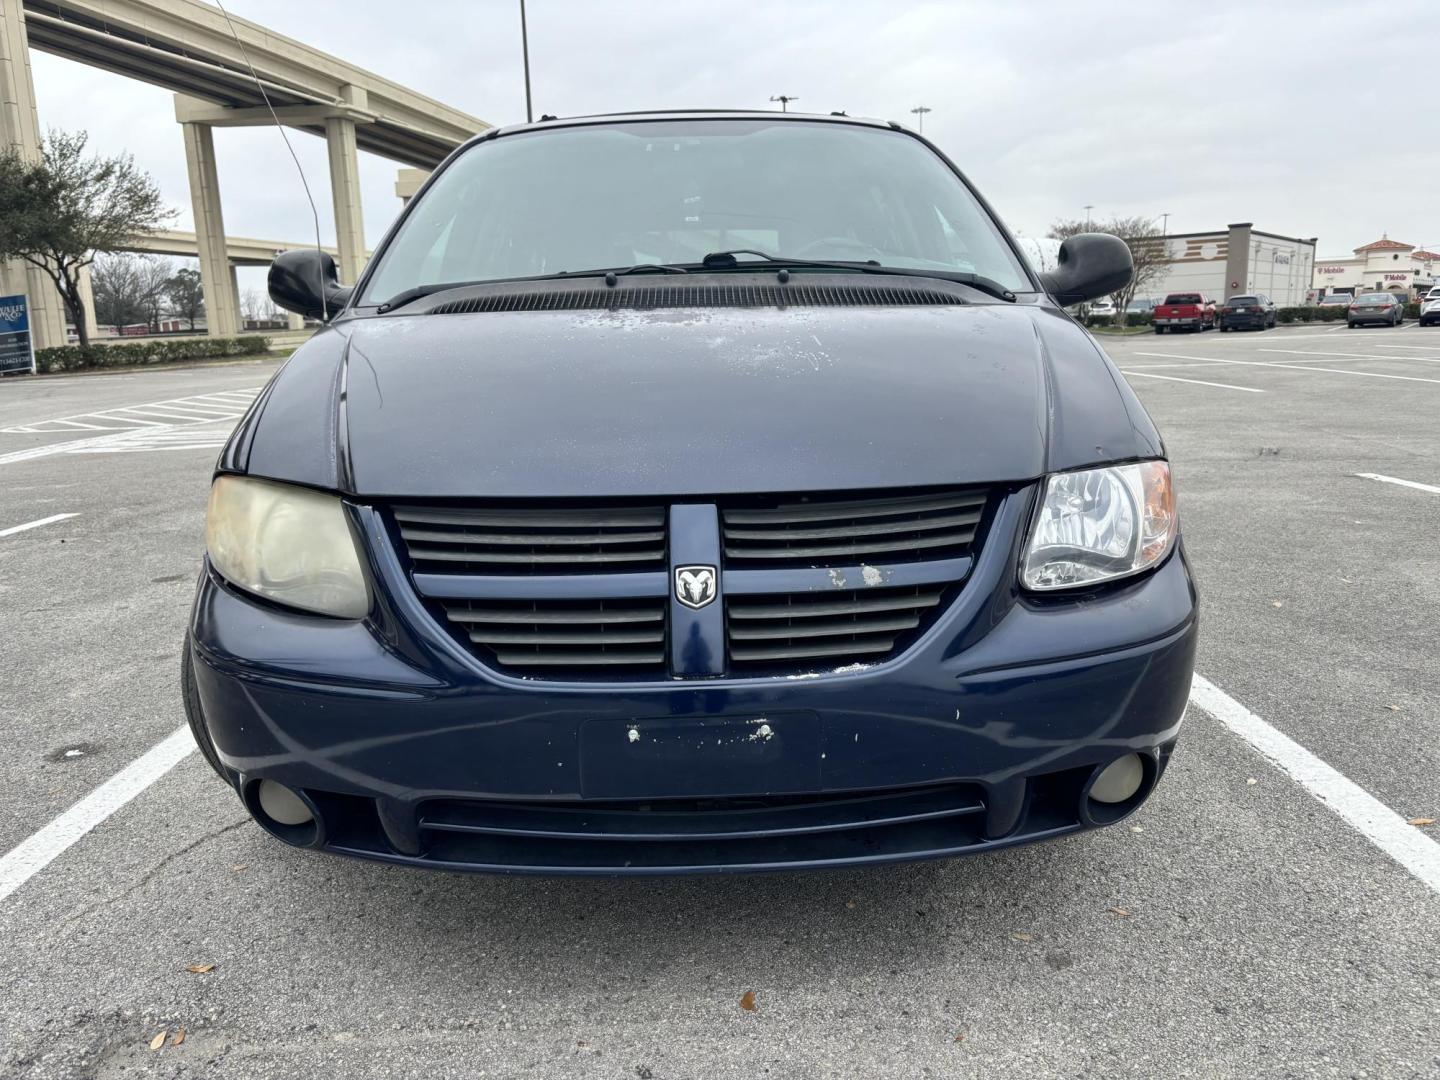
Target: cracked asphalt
{"x":1263,"y":936}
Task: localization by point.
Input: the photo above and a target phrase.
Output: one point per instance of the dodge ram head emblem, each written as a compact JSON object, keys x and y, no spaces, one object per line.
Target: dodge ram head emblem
{"x":695,"y":585}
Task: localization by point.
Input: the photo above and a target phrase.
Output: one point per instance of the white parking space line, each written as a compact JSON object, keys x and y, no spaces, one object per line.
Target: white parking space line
{"x":1375,"y":476}
{"x":30,"y":856}
{"x":196,"y":409}
{"x":35,"y":524}
{"x":1366,"y":814}
{"x":1350,"y":355}
{"x":1293,"y":367}
{"x":1197,"y":382}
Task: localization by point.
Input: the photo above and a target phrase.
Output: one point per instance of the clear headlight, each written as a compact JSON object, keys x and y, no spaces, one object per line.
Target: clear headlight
{"x":1099,"y":524}
{"x":287,"y":544}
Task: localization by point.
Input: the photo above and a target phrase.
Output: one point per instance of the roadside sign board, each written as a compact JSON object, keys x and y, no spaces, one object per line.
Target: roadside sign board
{"x":17,"y":350}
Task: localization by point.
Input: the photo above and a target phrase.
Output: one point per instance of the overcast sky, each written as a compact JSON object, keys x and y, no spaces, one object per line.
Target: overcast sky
{"x":1304,"y":116}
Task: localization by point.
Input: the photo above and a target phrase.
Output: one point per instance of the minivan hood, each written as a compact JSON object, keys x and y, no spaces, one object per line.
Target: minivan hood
{"x":680,"y":402}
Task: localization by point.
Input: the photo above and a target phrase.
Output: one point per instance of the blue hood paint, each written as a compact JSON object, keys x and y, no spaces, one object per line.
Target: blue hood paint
{"x":692,"y":402}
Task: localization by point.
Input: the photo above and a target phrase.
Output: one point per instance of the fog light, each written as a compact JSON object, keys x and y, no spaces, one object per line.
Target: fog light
{"x":284,"y":807}
{"x":1117,"y":782}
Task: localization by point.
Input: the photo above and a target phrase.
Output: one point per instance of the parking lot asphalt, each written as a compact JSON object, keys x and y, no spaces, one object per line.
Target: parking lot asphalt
{"x":1236,"y":926}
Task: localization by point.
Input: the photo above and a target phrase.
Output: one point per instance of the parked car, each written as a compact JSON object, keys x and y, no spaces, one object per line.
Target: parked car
{"x":1140,"y":306}
{"x":1254,"y":312}
{"x":585,"y":540}
{"x":1185,"y":311}
{"x":1377,"y":307}
{"x":1433,"y":294}
{"x":1336,"y":300}
{"x":1430,"y":311}
{"x":1104,"y":308}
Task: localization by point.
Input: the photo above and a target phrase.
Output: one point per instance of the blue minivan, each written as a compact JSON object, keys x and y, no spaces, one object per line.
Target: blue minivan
{"x":687,"y":493}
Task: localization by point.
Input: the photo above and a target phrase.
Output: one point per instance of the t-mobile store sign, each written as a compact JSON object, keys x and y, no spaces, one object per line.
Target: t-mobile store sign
{"x":17,"y":352}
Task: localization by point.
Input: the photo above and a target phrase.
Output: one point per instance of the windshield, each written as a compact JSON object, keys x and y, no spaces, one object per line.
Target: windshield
{"x":1183,"y":298}
{"x":1242,"y":300}
{"x":615,"y":195}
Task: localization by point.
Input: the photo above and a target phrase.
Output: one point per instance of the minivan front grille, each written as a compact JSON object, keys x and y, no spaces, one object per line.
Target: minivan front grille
{"x":806,"y":583}
{"x":517,"y":541}
{"x":842,"y":532}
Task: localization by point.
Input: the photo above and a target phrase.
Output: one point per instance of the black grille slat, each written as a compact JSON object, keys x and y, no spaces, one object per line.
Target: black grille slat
{"x":568,"y":616}
{"x":798,"y":608}
{"x":553,"y":519}
{"x":797,"y":551}
{"x":599,"y":637}
{"x":788,"y":513}
{"x":919,"y":524}
{"x":581,"y":658}
{"x":523,"y":539}
{"x":768,"y":630}
{"x":470,"y":554}
{"x":652,"y":297}
{"x":810,"y":650}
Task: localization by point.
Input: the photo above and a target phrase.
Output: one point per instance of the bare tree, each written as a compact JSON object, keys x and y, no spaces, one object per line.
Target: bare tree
{"x":187,"y":295}
{"x":1147,"y":251}
{"x":154,"y":280}
{"x":56,"y":213}
{"x":114,"y":278}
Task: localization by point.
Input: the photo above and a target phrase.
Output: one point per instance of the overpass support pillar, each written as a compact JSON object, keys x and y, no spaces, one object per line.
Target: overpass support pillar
{"x":87,"y":297}
{"x":222,"y":302}
{"x":345,"y":187}
{"x":20,"y":128}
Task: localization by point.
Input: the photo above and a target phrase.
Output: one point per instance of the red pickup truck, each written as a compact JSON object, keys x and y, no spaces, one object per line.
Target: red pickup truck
{"x":1185,"y":311}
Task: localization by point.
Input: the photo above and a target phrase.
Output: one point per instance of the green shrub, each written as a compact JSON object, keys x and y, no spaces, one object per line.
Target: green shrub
{"x":1412,"y":310}
{"x":151,"y":351}
{"x":1138,"y":318}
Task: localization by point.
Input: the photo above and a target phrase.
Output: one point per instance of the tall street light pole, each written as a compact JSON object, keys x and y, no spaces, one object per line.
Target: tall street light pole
{"x":784,"y":100}
{"x":1088,"y":208}
{"x":525,"y":50}
{"x":1165,"y":224}
{"x":920,"y":111}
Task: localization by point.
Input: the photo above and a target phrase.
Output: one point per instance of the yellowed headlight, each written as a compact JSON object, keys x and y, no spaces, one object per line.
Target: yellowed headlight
{"x":288,"y":544}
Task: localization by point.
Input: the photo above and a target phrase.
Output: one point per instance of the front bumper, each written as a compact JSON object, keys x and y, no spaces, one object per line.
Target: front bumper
{"x":985,"y":733}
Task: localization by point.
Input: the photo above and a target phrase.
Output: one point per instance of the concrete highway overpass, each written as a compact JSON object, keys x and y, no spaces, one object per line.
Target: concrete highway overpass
{"x":188,"y":47}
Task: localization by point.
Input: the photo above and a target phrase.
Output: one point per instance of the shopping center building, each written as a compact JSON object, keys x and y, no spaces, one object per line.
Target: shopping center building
{"x":1384,"y":265}
{"x":1240,"y":259}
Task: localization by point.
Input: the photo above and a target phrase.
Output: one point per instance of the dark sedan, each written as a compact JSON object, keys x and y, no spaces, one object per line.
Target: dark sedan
{"x":1383,"y":308}
{"x":692,"y":493}
{"x":1256,"y":312}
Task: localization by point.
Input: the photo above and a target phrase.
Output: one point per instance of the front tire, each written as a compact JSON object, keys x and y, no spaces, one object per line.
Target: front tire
{"x":1159,"y":329}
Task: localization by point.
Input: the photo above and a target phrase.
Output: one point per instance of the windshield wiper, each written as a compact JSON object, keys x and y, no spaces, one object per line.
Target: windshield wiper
{"x":613,"y":272}
{"x":725,"y":260}
{"x":400,"y":299}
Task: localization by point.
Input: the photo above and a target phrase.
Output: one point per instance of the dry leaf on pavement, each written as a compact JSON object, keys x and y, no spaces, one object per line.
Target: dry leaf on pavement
{"x":1421,"y":821}
{"x":1120,"y":911}
{"x":199,"y":969}
{"x":158,"y":1041}
{"x":747,"y":1002}
{"x":1021,"y":936}
{"x":1277,"y":603}
{"x":179,"y":1038}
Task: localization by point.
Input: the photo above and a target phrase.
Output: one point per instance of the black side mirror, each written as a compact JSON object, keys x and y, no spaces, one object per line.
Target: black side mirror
{"x":305,"y":282}
{"x":1091,"y":265}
